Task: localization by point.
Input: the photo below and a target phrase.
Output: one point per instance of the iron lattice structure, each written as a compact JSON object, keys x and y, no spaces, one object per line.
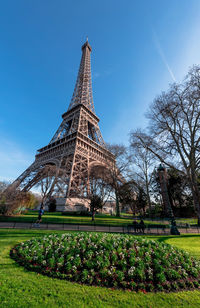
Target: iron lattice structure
{"x":77,"y":145}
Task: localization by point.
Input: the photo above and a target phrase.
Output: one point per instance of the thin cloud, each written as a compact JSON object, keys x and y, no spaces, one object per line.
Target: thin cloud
{"x":104,"y":73}
{"x":107,"y":72}
{"x":13,"y":160}
{"x":162,"y":55}
{"x":96,"y":75}
{"x":190,"y":51}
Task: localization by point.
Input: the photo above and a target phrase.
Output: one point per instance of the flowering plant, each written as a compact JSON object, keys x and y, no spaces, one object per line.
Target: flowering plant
{"x":111,"y":260}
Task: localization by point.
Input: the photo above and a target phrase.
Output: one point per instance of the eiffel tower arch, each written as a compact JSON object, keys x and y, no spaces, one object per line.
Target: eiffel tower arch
{"x":76,"y":147}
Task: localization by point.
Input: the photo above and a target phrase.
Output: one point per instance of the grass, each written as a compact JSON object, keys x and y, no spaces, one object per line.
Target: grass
{"x":57,"y":217}
{"x":21,"y":288}
{"x":103,"y":220}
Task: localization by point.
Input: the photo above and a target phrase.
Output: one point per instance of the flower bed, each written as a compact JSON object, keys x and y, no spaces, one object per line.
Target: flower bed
{"x":117,"y":261}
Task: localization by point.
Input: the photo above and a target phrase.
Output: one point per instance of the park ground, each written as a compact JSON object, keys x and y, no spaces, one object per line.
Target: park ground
{"x":21,"y":288}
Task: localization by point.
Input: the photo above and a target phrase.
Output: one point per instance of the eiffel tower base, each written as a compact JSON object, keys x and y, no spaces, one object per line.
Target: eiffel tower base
{"x":73,"y":204}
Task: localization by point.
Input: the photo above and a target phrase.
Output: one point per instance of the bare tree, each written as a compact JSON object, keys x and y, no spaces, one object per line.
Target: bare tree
{"x":11,"y":200}
{"x":143,"y":164}
{"x":3,"y":185}
{"x":128,"y":195}
{"x":100,"y":188}
{"x":118,"y":170}
{"x":133,"y":195}
{"x":174,"y":130}
{"x":47,"y":182}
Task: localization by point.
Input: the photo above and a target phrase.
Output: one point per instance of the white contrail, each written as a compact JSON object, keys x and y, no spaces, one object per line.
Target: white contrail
{"x":162,"y":55}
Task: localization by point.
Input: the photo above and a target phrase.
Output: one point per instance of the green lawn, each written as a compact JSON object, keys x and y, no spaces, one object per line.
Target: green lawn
{"x":68,"y":219}
{"x":57,"y":217}
{"x":21,"y":288}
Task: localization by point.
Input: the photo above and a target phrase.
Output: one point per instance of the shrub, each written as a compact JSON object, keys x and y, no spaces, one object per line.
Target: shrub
{"x":160,"y":287}
{"x":52,"y":205}
{"x":3,"y":209}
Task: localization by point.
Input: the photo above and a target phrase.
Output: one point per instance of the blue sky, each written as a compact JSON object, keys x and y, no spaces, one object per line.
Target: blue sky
{"x":138,"y":49}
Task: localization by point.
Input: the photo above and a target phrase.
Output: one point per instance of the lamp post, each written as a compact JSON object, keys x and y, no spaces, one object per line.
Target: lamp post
{"x":162,"y":173}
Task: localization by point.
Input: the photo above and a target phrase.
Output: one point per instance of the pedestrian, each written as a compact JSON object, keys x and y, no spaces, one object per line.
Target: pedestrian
{"x":40,"y":213}
{"x":142,"y":226}
{"x":135,"y":226}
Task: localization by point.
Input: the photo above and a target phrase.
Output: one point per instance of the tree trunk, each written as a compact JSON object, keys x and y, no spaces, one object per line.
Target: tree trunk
{"x":149,"y":200}
{"x":195,"y":195}
{"x":147,"y":190}
{"x":93,"y":214}
{"x":196,"y":200}
{"x":144,"y":213}
{"x":117,"y":205}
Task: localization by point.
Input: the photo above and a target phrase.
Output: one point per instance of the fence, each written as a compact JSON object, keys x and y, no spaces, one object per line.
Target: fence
{"x":107,"y":228}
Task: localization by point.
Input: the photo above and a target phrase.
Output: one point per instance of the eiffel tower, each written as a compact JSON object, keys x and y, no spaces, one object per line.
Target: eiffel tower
{"x":77,"y":145}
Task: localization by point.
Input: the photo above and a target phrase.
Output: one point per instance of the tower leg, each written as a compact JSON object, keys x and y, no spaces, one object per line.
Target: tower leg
{"x":78,"y":184}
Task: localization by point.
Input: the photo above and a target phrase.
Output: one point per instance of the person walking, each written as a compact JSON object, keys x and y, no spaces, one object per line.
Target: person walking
{"x":135,"y":226}
{"x":40,"y":213}
{"x":142,"y":226}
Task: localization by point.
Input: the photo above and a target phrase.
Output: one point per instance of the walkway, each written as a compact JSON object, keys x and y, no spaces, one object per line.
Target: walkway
{"x":79,"y":227}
